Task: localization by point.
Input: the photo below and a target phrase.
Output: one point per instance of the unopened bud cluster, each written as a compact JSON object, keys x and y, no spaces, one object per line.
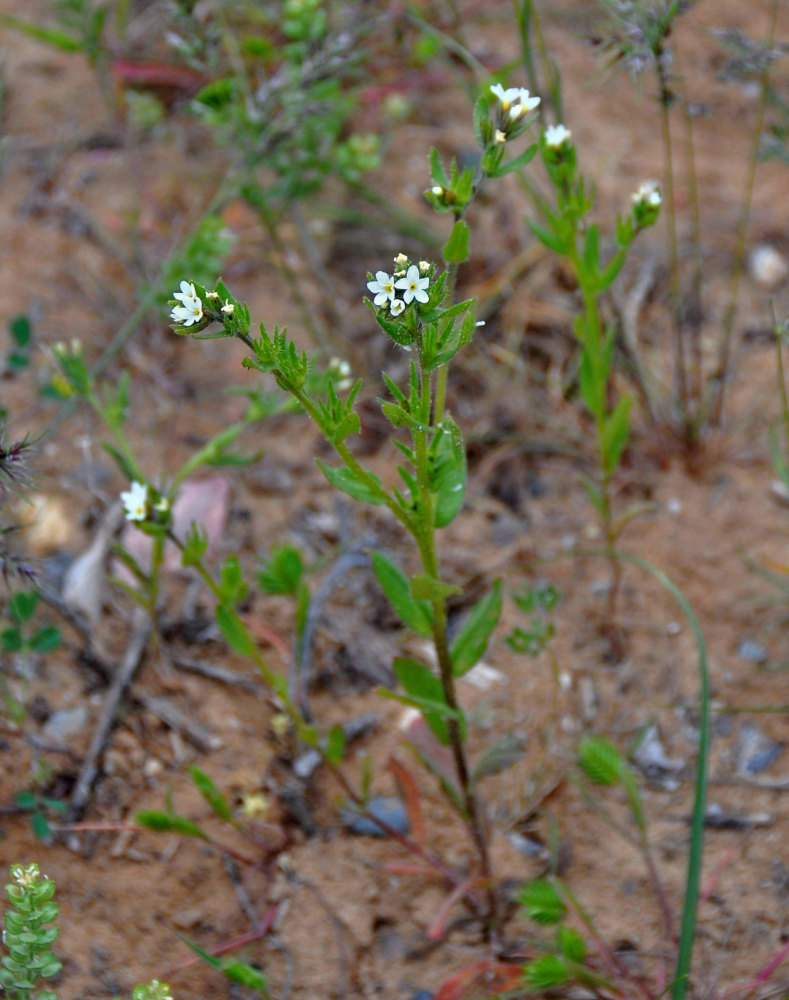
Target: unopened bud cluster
{"x":26,"y":934}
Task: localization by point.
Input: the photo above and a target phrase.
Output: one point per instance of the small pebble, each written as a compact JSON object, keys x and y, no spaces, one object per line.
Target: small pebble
{"x":389,"y":809}
{"x":755,"y":750}
{"x":749,"y":649}
{"x":768,"y":266}
{"x":67,"y":722}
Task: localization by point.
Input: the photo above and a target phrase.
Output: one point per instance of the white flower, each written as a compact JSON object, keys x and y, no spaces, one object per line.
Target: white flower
{"x":135,"y":502}
{"x":383,"y":286}
{"x":424,"y":266}
{"x":506,"y":97}
{"x":414,"y":285}
{"x":396,"y":306}
{"x":191,"y":308}
{"x":228,"y":308}
{"x":437,"y":190}
{"x":500,"y":137}
{"x":555,"y":135}
{"x":528,"y":103}
{"x":212,"y":295}
{"x":648,"y":194}
{"x":401,"y":260}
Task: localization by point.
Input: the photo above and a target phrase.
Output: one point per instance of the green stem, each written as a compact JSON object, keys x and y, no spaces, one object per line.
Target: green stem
{"x":424,"y":535}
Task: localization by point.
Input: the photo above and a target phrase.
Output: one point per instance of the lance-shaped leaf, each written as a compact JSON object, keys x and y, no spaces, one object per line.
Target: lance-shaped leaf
{"x":424,"y":691}
{"x":167,"y":823}
{"x":415,"y":614}
{"x":211,"y":794}
{"x":355,"y":485}
{"x":472,"y":640}
{"x":615,"y":433}
{"x":456,"y":250}
{"x":447,"y":472}
{"x":234,"y":631}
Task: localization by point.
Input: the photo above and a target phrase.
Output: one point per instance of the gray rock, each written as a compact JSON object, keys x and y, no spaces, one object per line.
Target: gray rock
{"x":389,"y":809}
{"x":749,"y":649}
{"x":67,"y":722}
{"x":755,"y":750}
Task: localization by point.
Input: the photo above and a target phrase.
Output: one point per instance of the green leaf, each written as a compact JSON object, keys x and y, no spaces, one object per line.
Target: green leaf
{"x":427,"y":588}
{"x":506,"y":751}
{"x":417,"y":615}
{"x":46,"y":639}
{"x":240,"y":972}
{"x":128,"y":470}
{"x":335,"y":745}
{"x":551,"y":240}
{"x":282,"y":573}
{"x":517,"y":162}
{"x":234,"y":631}
{"x":591,"y":252}
{"x":594,"y":493}
{"x":571,"y":944}
{"x":424,"y":691}
{"x":546,"y":972}
{"x":472,"y":640}
{"x":17,"y":361}
{"x":211,"y":794}
{"x":456,"y":249}
{"x":615,"y":433}
{"x":349,"y":482}
{"x":22,"y":606}
{"x":231,"y":581}
{"x":542,"y":902}
{"x":447,"y":472}
{"x":25,"y":800}
{"x":39,"y":825}
{"x":59,"y":39}
{"x":599,"y":759}
{"x":21,"y":330}
{"x":166,"y":823}
{"x":12,"y":640}
{"x":437,"y":173}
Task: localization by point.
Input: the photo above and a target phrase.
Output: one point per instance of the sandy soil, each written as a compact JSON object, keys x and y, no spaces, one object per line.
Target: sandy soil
{"x":345,"y":920}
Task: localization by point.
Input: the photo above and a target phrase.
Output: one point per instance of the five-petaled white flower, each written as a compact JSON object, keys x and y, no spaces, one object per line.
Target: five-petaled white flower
{"x":649,"y":194}
{"x":135,"y":502}
{"x":191,"y":308}
{"x":528,"y":103}
{"x":414,"y":286}
{"x":555,"y":135}
{"x":506,"y":97}
{"x":383,"y":286}
{"x":396,"y":306}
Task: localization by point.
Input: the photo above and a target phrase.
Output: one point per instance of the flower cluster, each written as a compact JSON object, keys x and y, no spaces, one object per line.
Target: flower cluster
{"x":410,"y":279}
{"x":514,"y":101}
{"x":514,"y":104}
{"x":191,"y":309}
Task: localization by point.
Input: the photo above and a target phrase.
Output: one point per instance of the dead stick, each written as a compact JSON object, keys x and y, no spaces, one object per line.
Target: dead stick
{"x":122,"y":678}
